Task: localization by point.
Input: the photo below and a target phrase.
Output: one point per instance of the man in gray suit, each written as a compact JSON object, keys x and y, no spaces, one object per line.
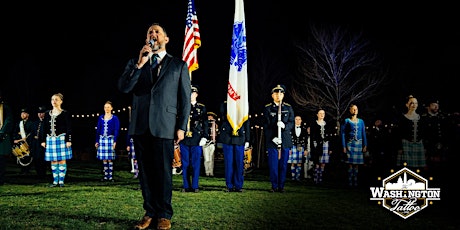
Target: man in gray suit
{"x":161,"y":89}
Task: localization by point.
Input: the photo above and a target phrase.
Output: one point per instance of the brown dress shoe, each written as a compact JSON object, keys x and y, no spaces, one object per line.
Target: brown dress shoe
{"x":164,"y":224}
{"x":144,"y":223}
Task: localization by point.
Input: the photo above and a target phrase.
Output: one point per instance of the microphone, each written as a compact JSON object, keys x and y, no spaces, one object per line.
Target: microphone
{"x":151,"y":43}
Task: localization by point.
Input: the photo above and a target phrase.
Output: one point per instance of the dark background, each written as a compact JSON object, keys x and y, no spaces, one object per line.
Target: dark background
{"x":81,"y":48}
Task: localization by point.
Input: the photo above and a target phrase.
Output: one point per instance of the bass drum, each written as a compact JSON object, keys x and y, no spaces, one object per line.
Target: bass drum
{"x":22,"y":152}
{"x":248,"y":165}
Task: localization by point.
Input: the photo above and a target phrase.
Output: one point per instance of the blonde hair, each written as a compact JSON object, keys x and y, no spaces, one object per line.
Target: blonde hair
{"x":59,"y":95}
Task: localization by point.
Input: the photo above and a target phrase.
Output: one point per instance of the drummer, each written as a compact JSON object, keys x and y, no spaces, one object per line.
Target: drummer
{"x":210,"y":147}
{"x":22,"y":132}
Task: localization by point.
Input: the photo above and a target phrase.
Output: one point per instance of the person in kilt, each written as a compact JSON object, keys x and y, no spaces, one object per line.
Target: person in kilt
{"x":354,"y":143}
{"x":57,"y":139}
{"x":320,"y":145}
{"x":411,"y":151}
{"x":132,"y":156}
{"x":298,"y":150}
{"x":108,"y":127}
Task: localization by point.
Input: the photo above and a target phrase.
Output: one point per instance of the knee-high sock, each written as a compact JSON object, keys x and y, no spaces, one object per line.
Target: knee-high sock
{"x":297,"y":172}
{"x":292,"y":172}
{"x":105,"y":165}
{"x":133,"y":169}
{"x":355,"y":177}
{"x":350,"y":176}
{"x":110,"y":170}
{"x":320,"y":177}
{"x":317,"y":176}
{"x":55,"y":172}
{"x":136,"y":169}
{"x":62,"y":172}
{"x":320,"y":174}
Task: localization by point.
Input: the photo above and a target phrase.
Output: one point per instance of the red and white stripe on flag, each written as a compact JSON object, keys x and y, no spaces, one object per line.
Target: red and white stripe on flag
{"x":192,"y":39}
{"x":237,"y":94}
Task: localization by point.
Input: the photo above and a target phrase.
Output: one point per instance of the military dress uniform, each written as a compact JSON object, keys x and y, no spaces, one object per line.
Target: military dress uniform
{"x":233,"y":147}
{"x":278,"y":165}
{"x":190,"y":147}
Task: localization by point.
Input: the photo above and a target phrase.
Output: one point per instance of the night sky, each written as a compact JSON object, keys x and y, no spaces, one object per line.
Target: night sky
{"x":80,"y":49}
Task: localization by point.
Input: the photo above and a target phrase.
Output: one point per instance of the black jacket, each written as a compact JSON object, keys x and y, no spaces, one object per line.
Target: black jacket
{"x":226,"y":131}
{"x":271,"y":128}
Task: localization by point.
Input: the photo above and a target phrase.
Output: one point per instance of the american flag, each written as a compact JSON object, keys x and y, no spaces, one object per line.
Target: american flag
{"x":237,"y":94}
{"x":192,"y":38}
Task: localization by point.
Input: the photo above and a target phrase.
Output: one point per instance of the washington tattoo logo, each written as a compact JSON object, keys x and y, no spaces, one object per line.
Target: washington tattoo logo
{"x":405,"y":193}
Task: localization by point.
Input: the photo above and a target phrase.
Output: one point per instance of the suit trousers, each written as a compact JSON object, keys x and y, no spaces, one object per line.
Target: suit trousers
{"x":154,"y":158}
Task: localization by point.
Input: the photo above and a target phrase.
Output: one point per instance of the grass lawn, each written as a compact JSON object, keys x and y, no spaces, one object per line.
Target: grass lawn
{"x":27,"y":202}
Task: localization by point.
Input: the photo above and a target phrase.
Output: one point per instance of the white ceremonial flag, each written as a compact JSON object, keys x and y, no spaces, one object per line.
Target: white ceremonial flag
{"x":237,"y":94}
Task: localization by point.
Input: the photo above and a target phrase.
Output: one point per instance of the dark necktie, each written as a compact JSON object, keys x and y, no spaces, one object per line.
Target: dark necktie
{"x":154,"y":61}
{"x":154,"y":68}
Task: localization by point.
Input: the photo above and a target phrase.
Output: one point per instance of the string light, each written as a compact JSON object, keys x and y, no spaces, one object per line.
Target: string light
{"x":128,"y":108}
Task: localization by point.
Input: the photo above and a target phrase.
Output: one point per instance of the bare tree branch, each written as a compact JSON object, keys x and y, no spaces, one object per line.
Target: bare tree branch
{"x":336,"y":68}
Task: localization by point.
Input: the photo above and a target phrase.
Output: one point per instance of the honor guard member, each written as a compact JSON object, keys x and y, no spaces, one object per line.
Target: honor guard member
{"x":233,"y":145}
{"x":278,"y":123}
{"x":191,"y":147}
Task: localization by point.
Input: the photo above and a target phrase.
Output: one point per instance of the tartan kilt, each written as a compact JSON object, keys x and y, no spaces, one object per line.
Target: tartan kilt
{"x":296,"y":156}
{"x":355,"y":152}
{"x":56,"y":149}
{"x":413,"y":154}
{"x":325,"y":156}
{"x":105,"y":150}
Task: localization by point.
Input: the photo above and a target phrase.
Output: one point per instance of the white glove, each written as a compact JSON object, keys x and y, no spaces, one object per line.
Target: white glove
{"x":277,"y":140}
{"x":246,"y":145}
{"x":281,"y":124}
{"x":202,"y":141}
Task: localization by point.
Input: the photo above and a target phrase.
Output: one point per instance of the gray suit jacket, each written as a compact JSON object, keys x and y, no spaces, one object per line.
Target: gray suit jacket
{"x":164,"y":106}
